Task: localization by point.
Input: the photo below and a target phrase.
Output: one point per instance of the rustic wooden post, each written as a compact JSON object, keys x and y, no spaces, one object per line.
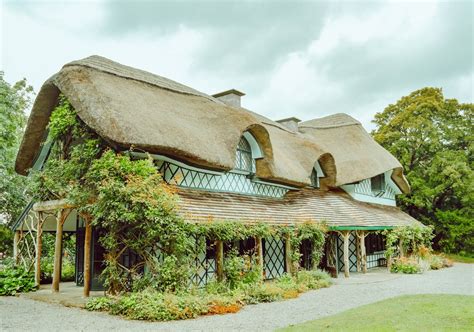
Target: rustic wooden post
{"x":259,"y":251}
{"x":363,"y":251}
{"x":16,"y":252}
{"x":346,"y":235}
{"x":358,"y":252}
{"x":39,"y":246}
{"x":389,"y":262}
{"x":220,"y":260}
{"x":87,"y":257}
{"x":288,"y":260}
{"x":57,"y":251}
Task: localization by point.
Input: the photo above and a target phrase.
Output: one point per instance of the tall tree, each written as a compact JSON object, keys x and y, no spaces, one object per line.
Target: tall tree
{"x":14,"y":100}
{"x":433,"y":137}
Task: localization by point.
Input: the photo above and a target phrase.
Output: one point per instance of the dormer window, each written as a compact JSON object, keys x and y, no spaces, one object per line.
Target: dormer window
{"x":244,"y":160}
{"x":316,"y":174}
{"x":377,"y":183}
{"x":314,"y":179}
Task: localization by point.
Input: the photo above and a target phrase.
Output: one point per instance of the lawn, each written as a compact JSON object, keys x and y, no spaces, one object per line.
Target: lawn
{"x":404,"y":313}
{"x":460,"y":258}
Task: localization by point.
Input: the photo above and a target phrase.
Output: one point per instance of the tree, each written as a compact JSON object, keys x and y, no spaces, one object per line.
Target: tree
{"x":14,"y":100}
{"x":433,"y":137}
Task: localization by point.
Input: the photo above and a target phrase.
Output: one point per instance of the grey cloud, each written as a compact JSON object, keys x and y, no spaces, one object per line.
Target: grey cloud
{"x":243,"y":36}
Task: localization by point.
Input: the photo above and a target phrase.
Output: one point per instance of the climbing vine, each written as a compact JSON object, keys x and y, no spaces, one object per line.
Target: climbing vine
{"x":407,"y":240}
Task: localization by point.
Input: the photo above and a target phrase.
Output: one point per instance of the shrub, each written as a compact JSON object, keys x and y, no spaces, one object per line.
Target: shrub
{"x":240,"y":270}
{"x":15,"y":280}
{"x":436,"y":262}
{"x":264,"y":292}
{"x":406,"y":265}
{"x":313,"y":279}
{"x":216,"y":298}
{"x":99,"y":304}
{"x":155,"y":306}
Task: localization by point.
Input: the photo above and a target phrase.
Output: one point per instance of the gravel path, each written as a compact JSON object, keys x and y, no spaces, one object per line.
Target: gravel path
{"x":20,"y":314}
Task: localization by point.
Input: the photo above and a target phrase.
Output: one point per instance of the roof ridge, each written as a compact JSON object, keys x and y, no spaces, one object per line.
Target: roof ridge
{"x":106,"y":65}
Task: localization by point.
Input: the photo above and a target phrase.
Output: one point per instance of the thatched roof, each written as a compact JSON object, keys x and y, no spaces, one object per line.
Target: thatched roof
{"x":335,"y":207}
{"x":131,"y":107}
{"x":356,"y":153}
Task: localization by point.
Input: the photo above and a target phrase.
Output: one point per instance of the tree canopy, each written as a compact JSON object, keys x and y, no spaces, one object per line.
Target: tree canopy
{"x":433,"y":137}
{"x":14,"y":100}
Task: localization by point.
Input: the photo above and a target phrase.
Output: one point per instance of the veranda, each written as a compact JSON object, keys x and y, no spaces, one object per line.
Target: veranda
{"x":345,"y":248}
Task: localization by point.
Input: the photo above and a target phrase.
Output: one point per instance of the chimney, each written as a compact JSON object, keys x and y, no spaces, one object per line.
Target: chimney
{"x":230,"y":97}
{"x":290,"y":123}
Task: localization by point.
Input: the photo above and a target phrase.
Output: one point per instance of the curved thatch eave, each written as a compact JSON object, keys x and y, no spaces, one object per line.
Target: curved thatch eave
{"x":357,"y":155}
{"x":35,"y":130}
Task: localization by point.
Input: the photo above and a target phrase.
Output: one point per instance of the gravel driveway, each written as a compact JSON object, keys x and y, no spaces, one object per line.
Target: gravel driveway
{"x":20,"y":314}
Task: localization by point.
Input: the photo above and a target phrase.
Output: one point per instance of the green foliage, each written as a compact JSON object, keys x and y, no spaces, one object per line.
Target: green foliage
{"x":405,"y":265}
{"x":99,"y":304}
{"x":232,"y":230}
{"x":15,"y":280}
{"x":240,"y":270}
{"x":407,"y":240}
{"x":156,"y":306}
{"x":216,"y":298}
{"x":62,"y":121}
{"x":433,"y":138}
{"x":6,"y":239}
{"x":14,"y":101}
{"x":136,"y":210}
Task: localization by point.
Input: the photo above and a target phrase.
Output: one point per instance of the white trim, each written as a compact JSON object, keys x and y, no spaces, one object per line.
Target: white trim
{"x":319,"y":170}
{"x":273,"y":184}
{"x":256,"y":151}
{"x":175,"y":162}
{"x":372,"y":199}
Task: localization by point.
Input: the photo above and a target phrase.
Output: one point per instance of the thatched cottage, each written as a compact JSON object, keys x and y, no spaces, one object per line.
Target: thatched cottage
{"x":228,"y":162}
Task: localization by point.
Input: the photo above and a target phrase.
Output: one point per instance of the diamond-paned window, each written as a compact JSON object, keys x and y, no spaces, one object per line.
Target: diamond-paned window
{"x":273,"y":257}
{"x":227,"y":182}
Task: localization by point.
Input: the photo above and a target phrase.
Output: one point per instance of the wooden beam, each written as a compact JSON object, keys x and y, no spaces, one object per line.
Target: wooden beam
{"x":16,"y":252}
{"x":58,"y":249}
{"x":345,"y":235}
{"x":39,"y":246}
{"x":52,"y":205}
{"x":87,"y":257}
{"x":288,"y":261}
{"x":220,"y":260}
{"x":259,"y":252}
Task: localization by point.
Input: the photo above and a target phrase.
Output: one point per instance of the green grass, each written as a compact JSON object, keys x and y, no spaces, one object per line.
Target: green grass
{"x":460,"y":258}
{"x":404,"y":313}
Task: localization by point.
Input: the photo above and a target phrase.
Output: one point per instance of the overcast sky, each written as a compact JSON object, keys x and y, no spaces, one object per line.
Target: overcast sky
{"x":304,"y":59}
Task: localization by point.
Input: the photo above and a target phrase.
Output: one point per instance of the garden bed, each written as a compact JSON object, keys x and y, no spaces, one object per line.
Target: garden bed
{"x":216,"y":298}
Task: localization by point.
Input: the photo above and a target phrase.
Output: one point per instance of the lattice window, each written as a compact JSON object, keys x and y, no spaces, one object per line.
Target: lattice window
{"x":352,"y":253}
{"x":227,"y":182}
{"x":273,"y":257}
{"x":205,"y":262}
{"x":243,"y":158}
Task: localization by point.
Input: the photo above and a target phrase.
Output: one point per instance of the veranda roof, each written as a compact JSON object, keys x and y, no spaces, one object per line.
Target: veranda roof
{"x":334,"y":207}
{"x":130,"y":107}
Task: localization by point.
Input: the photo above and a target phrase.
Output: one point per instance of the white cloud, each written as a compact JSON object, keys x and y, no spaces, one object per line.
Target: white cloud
{"x":362,"y":58}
